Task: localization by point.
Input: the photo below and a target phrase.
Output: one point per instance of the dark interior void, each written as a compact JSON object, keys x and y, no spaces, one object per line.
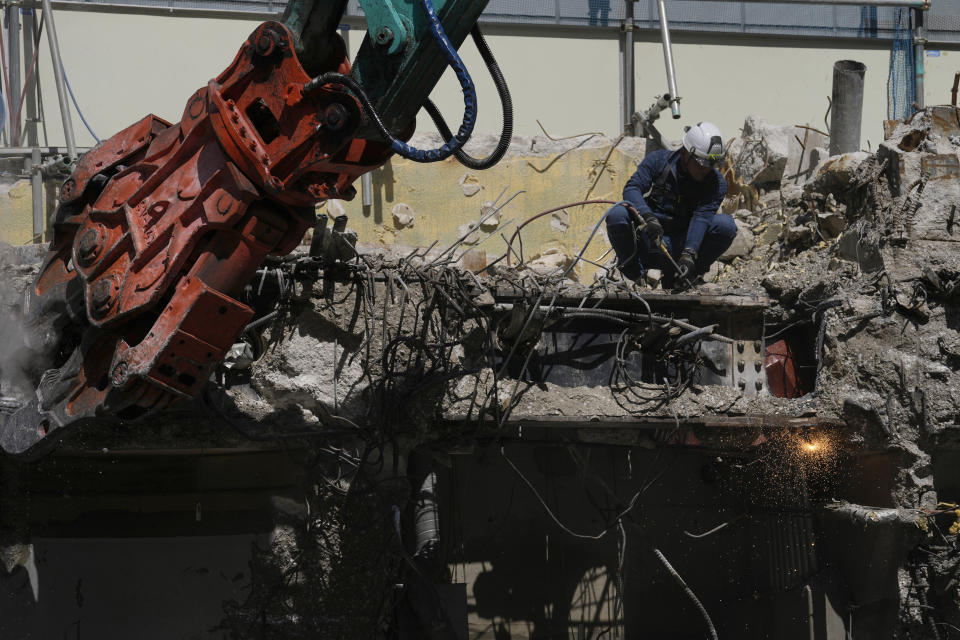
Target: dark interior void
{"x":135,"y":544}
{"x":598,"y":353}
{"x":122,"y":588}
{"x":801,"y":344}
{"x":782,"y":567}
{"x":151,"y":545}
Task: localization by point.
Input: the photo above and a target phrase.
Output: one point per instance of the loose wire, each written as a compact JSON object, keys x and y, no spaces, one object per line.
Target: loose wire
{"x":33,"y":66}
{"x":77,"y":106}
{"x":14,"y":126}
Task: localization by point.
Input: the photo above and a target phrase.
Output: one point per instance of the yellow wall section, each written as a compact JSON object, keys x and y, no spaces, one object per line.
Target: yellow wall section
{"x":441,"y":206}
{"x":122,"y":67}
{"x":16,"y":214}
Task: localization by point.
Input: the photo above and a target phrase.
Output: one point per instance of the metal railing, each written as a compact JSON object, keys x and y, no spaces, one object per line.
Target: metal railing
{"x":799,"y":18}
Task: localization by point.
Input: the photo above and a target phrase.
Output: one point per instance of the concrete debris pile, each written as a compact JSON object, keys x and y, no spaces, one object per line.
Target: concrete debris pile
{"x":862,"y":256}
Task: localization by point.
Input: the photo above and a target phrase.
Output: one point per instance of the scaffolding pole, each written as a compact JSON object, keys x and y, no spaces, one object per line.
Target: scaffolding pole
{"x":59,"y":78}
{"x":629,"y":89}
{"x":13,"y":44}
{"x":919,"y":42}
{"x":28,"y":20}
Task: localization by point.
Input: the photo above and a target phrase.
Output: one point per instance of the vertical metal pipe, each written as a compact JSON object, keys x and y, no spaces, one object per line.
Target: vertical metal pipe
{"x":668,"y":59}
{"x":13,"y":32}
{"x":629,"y":91}
{"x":427,"y":520}
{"x":846,"y":111}
{"x":29,"y":29}
{"x":366,"y":189}
{"x":918,"y":49}
{"x":36,"y":192}
{"x":58,"y":76}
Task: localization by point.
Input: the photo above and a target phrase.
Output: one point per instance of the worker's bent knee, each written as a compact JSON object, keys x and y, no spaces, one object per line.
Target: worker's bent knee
{"x":618,"y":214}
{"x":723,"y":226}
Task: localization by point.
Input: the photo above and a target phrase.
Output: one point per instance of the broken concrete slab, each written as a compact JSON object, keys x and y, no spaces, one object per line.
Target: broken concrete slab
{"x":742,"y":244}
{"x":403,"y":215}
{"x":767,"y":154}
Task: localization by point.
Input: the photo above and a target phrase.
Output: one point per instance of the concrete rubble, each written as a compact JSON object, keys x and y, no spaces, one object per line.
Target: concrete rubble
{"x":856,"y":253}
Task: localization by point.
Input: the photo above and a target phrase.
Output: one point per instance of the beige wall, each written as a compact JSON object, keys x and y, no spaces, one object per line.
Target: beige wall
{"x":123,"y":66}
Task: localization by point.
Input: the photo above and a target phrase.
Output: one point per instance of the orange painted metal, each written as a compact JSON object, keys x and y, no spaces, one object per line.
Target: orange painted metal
{"x":161,"y":227}
{"x":783,"y":380}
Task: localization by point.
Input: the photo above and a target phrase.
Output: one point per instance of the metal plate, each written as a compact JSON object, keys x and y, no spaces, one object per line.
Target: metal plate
{"x":941,"y":167}
{"x":945,"y":121}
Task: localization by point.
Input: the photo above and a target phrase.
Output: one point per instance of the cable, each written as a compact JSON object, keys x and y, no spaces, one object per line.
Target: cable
{"x":14,"y":127}
{"x":543,"y":503}
{"x":469,"y":98}
{"x":505,"y":102}
{"x":571,"y":204}
{"x":77,"y":106}
{"x":33,"y":66}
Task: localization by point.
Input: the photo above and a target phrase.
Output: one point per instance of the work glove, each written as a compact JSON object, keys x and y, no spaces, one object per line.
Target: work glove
{"x":654,"y":230}
{"x":687,"y":264}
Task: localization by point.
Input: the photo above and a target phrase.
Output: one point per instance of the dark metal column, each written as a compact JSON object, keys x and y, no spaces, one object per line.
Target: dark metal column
{"x":629,"y":90}
{"x":846,"y":111}
{"x":919,"y":41}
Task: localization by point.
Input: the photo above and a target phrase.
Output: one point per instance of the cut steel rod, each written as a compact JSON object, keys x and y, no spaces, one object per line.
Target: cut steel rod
{"x":668,"y":59}
{"x":36,"y":190}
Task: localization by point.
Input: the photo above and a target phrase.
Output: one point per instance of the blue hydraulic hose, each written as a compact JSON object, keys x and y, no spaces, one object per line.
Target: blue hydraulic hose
{"x":466,"y":83}
{"x":77,"y":106}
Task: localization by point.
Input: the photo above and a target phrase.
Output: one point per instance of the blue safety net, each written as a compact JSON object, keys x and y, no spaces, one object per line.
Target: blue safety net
{"x":900,"y":82}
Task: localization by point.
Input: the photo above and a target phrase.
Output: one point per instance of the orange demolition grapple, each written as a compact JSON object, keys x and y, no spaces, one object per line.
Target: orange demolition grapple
{"x":160,"y":228}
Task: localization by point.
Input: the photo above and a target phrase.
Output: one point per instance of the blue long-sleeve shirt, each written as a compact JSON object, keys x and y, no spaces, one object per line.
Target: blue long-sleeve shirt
{"x":695,"y":201}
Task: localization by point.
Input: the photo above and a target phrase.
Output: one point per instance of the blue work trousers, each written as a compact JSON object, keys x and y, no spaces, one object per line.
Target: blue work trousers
{"x":634,"y":257}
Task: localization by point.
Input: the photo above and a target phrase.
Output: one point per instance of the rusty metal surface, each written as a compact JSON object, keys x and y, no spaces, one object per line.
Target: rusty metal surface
{"x":945,"y":120}
{"x":715,"y":432}
{"x":781,"y":368}
{"x":756,"y":421}
{"x":944,"y":166}
{"x":620,"y":299}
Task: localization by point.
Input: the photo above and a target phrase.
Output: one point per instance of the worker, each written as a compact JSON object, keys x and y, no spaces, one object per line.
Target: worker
{"x":677,"y":194}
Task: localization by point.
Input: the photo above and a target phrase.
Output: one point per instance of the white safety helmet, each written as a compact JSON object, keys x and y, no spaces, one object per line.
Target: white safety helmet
{"x":705,"y":143}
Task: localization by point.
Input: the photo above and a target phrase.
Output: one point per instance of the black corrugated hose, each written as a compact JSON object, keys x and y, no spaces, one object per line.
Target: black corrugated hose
{"x":505,"y":135}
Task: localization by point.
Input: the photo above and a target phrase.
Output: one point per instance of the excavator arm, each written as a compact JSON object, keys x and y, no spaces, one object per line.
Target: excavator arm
{"x":159,"y":228}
